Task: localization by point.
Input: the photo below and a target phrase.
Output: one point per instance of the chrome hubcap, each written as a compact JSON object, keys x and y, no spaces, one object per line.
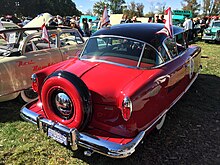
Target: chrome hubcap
{"x":63,"y":104}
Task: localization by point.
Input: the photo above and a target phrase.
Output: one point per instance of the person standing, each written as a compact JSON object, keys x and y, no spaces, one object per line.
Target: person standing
{"x":85,"y":27}
{"x":188,"y":26}
{"x":202,"y":25}
{"x":90,"y":27}
{"x":162,"y":19}
{"x":150,"y":20}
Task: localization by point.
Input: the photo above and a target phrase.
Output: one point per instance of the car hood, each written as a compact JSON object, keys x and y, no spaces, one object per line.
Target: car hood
{"x":39,"y":20}
{"x":105,"y":81}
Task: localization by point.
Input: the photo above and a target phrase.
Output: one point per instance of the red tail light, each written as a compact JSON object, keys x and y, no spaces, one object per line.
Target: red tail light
{"x":34,"y":82}
{"x":126,"y":108}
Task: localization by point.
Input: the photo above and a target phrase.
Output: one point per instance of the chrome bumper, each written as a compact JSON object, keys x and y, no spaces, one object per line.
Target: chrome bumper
{"x":82,"y":139}
{"x":209,"y":38}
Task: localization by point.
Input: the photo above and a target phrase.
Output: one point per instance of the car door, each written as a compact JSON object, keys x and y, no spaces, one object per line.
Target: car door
{"x":70,"y":43}
{"x":36,"y":55}
{"x":9,"y":54}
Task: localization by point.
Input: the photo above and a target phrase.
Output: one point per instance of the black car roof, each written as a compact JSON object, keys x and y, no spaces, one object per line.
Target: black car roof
{"x":141,"y":31}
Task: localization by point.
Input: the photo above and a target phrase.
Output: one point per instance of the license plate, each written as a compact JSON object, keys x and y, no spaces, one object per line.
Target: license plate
{"x":58,"y":136}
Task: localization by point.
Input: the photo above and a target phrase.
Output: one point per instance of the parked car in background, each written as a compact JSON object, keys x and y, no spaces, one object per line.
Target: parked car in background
{"x":212,"y":33}
{"x":9,"y":25}
{"x":120,"y":88}
{"x":23,"y":52}
{"x":95,"y":26}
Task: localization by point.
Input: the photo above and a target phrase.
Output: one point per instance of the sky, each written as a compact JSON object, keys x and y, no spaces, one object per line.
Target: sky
{"x":85,"y":5}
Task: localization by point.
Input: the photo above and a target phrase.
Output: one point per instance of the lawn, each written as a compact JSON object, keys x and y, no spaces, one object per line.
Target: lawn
{"x":190,"y":134}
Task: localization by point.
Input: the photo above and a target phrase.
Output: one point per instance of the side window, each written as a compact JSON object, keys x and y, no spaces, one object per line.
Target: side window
{"x":150,"y":57}
{"x":163,"y":53}
{"x":70,"y":38}
{"x":180,"y":42}
{"x":101,"y":43}
{"x":37,"y":43}
{"x":171,"y":46}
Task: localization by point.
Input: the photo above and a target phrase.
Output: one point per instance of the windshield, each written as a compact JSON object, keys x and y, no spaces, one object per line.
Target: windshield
{"x":113,"y":49}
{"x":216,"y":24}
{"x":8,"y":38}
{"x":8,"y":42}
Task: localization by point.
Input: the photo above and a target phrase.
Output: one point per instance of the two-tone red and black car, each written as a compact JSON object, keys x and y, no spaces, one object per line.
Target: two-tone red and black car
{"x":121,"y":87}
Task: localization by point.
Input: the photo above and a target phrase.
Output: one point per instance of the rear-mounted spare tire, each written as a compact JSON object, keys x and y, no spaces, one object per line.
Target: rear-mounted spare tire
{"x":66,"y":99}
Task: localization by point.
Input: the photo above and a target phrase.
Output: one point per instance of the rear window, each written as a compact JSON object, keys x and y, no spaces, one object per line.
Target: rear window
{"x":124,"y":51}
{"x":114,"y":49}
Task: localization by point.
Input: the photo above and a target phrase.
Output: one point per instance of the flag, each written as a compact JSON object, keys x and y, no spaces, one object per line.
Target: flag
{"x":2,"y":35}
{"x":168,"y":27}
{"x":44,"y":33}
{"x":105,"y":19}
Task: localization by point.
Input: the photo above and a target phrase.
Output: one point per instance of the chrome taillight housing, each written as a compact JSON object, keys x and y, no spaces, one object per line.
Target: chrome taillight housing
{"x":126,"y":108}
{"x":34,"y":80}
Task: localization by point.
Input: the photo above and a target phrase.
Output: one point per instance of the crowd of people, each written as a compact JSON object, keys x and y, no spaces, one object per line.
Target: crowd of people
{"x":193,"y":26}
{"x":74,"y":22}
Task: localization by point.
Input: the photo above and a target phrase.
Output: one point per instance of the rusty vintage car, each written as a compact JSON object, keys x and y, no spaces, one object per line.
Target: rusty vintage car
{"x":120,"y":88}
{"x":23,"y":52}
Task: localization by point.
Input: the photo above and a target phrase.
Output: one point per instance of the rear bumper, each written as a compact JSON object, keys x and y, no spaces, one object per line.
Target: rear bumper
{"x":76,"y":138}
{"x":209,"y":38}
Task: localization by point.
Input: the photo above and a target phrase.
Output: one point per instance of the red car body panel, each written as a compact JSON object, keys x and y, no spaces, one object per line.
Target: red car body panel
{"x":152,"y":91}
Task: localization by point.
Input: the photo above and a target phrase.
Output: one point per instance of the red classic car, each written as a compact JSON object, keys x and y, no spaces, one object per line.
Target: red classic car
{"x":125,"y":80}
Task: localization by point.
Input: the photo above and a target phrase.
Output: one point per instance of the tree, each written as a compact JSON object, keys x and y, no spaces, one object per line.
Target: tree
{"x":134,"y":9}
{"x":140,"y":9}
{"x":161,"y":7}
{"x":33,"y":8}
{"x":152,"y":10}
{"x":98,"y":7}
{"x":211,"y":7}
{"x":116,"y":6}
{"x":191,"y":5}
{"x":88,"y":12}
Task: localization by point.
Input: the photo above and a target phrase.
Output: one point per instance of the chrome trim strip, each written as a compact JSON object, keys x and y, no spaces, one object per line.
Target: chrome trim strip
{"x":94,"y":143}
{"x":10,"y":93}
{"x":109,"y":62}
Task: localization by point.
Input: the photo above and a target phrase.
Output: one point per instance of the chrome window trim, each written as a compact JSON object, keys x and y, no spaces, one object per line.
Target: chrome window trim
{"x":141,"y":56}
{"x":171,"y":58}
{"x":61,"y":31}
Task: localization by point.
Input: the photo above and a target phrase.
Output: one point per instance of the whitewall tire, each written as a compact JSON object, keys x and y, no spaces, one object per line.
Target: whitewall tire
{"x":28,"y":95}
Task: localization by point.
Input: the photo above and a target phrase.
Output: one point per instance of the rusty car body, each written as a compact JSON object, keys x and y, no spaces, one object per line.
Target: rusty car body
{"x":23,"y":52}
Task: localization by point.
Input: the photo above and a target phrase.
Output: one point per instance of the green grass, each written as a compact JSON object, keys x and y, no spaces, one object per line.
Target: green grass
{"x":21,"y":143}
{"x":210,"y":58}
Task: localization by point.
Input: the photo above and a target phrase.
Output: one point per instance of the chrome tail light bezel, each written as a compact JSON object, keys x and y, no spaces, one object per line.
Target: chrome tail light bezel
{"x":127,"y":106}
